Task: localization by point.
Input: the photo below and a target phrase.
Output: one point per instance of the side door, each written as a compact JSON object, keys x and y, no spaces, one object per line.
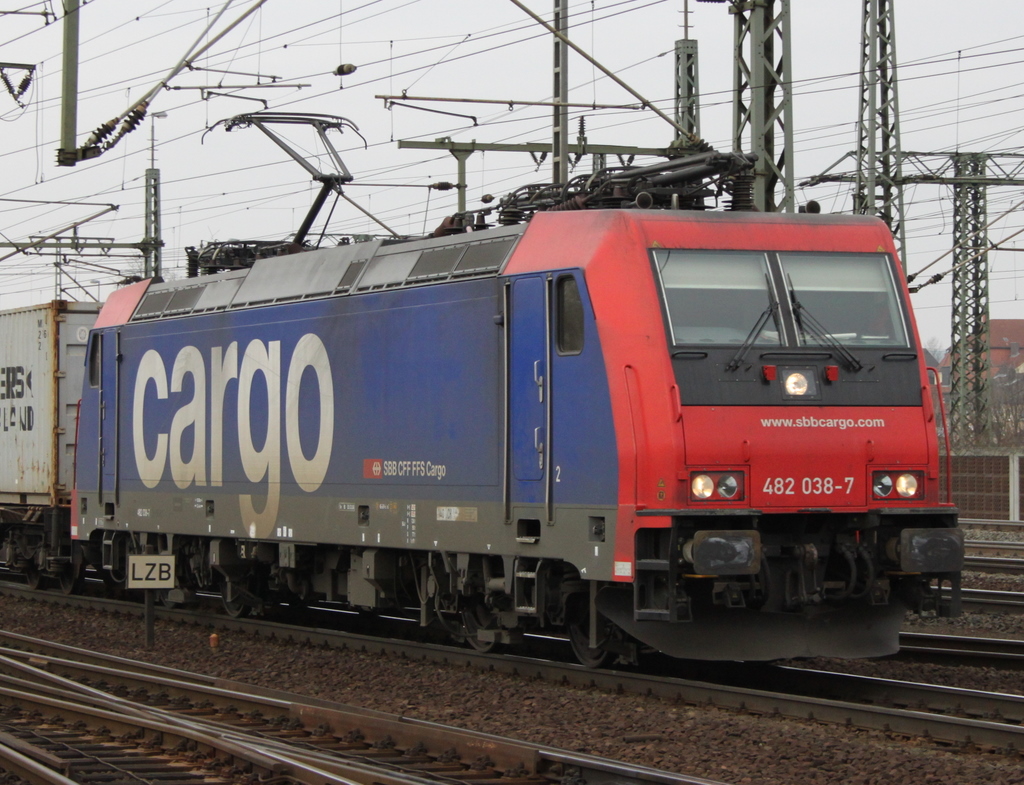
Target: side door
{"x":529,"y":399}
{"x":108,"y":401}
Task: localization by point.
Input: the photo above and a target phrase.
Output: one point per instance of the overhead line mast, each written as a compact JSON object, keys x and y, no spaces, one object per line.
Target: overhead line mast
{"x":687,"y":82}
{"x":560,"y":113}
{"x":763,"y":98}
{"x":970,"y":402}
{"x":879,"y":189}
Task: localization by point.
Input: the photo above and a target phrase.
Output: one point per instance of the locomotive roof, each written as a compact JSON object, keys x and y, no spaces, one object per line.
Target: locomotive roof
{"x":376,"y":265}
{"x":331,"y":272}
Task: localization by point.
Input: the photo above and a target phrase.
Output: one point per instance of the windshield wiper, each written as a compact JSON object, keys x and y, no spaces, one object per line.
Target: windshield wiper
{"x":812,"y":326}
{"x":748,"y":343}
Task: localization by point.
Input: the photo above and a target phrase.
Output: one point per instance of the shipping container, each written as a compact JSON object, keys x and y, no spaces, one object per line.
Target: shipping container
{"x":42,"y":364}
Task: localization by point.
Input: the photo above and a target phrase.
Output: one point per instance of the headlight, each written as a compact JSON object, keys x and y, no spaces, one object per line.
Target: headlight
{"x":702,"y":486}
{"x":796,"y":384}
{"x":727,"y":486}
{"x":881,"y":486}
{"x":906,"y":485}
{"x":800,"y":384}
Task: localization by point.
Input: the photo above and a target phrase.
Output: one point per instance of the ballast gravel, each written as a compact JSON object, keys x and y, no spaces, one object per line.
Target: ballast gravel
{"x":716,"y":744}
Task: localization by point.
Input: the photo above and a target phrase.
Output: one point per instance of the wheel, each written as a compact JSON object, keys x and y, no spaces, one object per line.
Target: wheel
{"x":578,"y":627}
{"x":579,"y":639}
{"x":70,"y":580}
{"x":33,"y":577}
{"x":484,"y":647}
{"x":233,"y":598}
{"x":475,"y":618}
{"x":234,"y":605}
{"x":236,"y":609}
{"x":447,"y":617}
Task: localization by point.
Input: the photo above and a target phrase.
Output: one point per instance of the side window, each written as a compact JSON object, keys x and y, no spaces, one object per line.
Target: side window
{"x":94,"y":360}
{"x":569,"y":319}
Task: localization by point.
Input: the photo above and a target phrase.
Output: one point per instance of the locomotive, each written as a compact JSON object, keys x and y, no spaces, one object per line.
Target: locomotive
{"x":705,"y":432}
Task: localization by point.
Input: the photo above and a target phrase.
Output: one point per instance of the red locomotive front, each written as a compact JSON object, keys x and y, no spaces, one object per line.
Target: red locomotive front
{"x":779,"y":467}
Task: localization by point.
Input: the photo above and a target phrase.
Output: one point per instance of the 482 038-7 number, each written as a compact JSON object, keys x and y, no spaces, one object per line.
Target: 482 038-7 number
{"x":808,"y":486}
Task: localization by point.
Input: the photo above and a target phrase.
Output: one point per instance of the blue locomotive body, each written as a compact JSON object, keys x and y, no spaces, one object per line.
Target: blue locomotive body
{"x":393,"y":397}
{"x":411,"y":419}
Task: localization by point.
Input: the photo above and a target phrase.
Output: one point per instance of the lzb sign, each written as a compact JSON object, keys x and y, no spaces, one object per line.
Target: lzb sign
{"x":150,"y":572}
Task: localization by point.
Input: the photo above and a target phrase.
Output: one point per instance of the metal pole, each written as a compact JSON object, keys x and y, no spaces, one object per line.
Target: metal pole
{"x":67,"y":154}
{"x":150,"y":618}
{"x":607,"y":72}
{"x":560,"y":114}
{"x":687,"y":89}
{"x":879,"y":178}
{"x":970,"y":419}
{"x":1015,"y":487}
{"x":153,"y":239}
{"x":762,"y":103}
{"x":460,"y":157}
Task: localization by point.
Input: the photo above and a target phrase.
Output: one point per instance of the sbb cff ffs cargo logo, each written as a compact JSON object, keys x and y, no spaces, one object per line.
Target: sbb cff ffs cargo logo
{"x":168,"y":432}
{"x":373,"y":468}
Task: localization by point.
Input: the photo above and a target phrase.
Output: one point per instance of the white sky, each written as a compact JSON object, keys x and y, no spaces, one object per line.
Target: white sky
{"x":960,"y":89}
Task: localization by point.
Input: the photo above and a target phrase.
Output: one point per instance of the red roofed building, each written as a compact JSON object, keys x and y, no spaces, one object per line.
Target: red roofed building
{"x":1006,"y":350}
{"x":1006,"y":344}
{"x":1006,"y":388}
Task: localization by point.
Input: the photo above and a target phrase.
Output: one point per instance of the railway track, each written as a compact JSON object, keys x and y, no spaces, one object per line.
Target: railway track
{"x":983,"y":524}
{"x":947,"y":715}
{"x":991,"y":601}
{"x":1005,"y":558}
{"x":963,"y":649}
{"x":53,"y":730}
{"x":994,"y":557}
{"x":151,"y":720}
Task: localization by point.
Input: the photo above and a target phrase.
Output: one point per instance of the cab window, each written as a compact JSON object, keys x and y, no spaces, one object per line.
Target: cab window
{"x":569,"y":317}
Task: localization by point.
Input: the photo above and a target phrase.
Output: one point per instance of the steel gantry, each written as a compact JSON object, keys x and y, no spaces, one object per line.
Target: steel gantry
{"x":762,"y":116}
{"x":878,"y":187}
{"x":687,"y":84}
{"x":687,"y":89}
{"x":969,"y":371}
{"x":877,"y":175}
{"x":881,"y":172}
{"x":763,"y":100}
{"x":969,"y":175}
{"x":560,"y":96}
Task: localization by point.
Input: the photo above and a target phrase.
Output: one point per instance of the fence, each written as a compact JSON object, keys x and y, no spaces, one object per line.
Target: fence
{"x":987,"y":486}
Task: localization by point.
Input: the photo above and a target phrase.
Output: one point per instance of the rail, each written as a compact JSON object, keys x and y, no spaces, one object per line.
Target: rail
{"x":303,"y":735}
{"x":986,"y":524}
{"x":927,"y":711}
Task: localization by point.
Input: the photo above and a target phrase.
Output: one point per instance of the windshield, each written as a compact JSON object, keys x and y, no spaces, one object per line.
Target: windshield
{"x":852,"y":296}
{"x":716,"y":296}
